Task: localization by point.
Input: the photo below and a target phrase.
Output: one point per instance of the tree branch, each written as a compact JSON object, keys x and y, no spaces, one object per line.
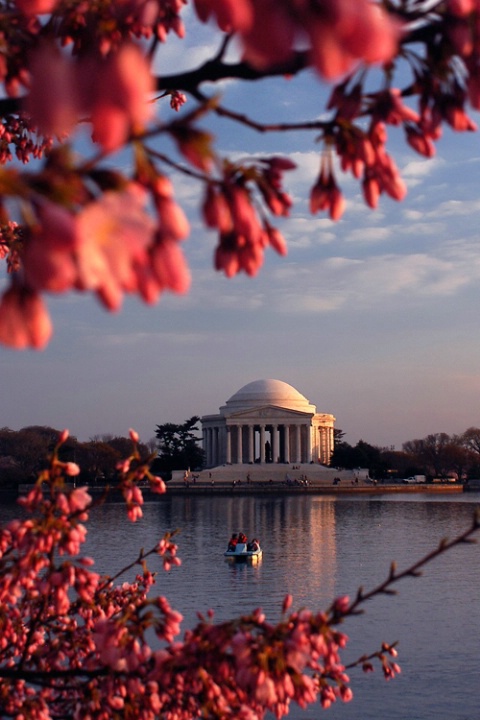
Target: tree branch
{"x":216,"y":70}
{"x":385,"y":588}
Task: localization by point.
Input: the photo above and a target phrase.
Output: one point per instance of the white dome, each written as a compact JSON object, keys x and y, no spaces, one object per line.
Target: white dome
{"x":268,"y":392}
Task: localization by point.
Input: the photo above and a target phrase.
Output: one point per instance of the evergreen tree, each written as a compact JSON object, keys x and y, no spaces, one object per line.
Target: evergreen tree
{"x":178,"y":446}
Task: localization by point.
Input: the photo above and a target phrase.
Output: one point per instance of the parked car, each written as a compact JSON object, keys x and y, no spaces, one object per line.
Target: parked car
{"x":415,"y":479}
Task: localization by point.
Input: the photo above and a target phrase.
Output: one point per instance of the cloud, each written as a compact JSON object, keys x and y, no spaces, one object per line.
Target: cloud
{"x":452,"y":208}
{"x":416,"y":171}
{"x":145,"y":338}
{"x":369,"y":234}
{"x":303,"y":232}
{"x":332,"y":284}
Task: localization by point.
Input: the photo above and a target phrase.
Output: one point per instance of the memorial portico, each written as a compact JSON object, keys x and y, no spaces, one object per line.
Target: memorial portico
{"x":267,"y":421}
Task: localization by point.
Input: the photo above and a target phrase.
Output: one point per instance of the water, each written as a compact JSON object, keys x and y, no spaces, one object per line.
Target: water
{"x":317,"y":548}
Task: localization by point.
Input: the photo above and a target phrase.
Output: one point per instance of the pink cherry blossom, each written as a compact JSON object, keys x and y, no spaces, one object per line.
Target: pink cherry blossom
{"x":157,"y":485}
{"x":264,"y":49}
{"x":276,"y":239}
{"x":216,"y":210}
{"x":71,"y":469}
{"x":36,"y":7}
{"x":461,"y":8}
{"x":115,"y":93}
{"x":177,"y":99}
{"x":326,"y":195}
{"x":341,"y":33}
{"x":63,"y":436}
{"x":53,"y":100}
{"x":169,"y":267}
{"x":133,"y":435}
{"x":121,"y":95}
{"x":230,"y":14}
{"x":48,"y":257}
{"x":114,"y":235}
{"x":173,"y":222}
{"x":24,"y":320}
{"x":421,"y":142}
{"x":79,"y":499}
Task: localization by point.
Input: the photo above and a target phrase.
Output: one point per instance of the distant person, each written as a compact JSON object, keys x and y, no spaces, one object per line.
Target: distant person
{"x":253,"y":546}
{"x":232,"y":543}
{"x":242,"y":538}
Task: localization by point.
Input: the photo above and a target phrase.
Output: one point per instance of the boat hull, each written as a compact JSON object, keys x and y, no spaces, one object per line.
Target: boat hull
{"x":241,"y":554}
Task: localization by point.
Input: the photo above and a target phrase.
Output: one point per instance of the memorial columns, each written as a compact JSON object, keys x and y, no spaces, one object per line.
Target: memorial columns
{"x":302,"y":440}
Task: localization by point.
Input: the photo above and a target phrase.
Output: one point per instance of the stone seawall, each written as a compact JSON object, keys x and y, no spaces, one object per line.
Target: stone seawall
{"x":258,"y":489}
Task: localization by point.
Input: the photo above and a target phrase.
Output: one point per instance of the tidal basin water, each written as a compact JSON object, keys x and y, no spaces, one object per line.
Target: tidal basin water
{"x":317,"y":548}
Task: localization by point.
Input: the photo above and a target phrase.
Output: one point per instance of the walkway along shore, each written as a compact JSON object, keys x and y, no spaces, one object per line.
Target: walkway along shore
{"x":269,"y":479}
{"x":310,"y":479}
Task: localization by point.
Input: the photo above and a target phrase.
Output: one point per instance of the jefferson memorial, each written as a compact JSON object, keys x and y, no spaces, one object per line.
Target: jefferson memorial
{"x":267,"y":421}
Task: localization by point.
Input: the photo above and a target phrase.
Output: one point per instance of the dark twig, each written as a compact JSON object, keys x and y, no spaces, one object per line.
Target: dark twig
{"x":394,"y":576}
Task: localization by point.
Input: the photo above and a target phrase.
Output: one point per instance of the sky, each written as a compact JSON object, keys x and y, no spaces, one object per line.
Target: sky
{"x":374,"y":319}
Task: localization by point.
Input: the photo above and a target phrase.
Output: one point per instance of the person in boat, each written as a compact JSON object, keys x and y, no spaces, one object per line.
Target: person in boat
{"x":242,"y":538}
{"x":253,"y":546}
{"x":232,"y":543}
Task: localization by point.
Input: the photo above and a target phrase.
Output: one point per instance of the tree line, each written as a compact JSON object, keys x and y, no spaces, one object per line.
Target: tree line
{"x":437,"y":455}
{"x":25,"y":452}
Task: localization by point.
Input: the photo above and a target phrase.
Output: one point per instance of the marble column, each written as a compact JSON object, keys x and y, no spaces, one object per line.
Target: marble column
{"x":309,"y":444}
{"x":330,"y":444}
{"x":229,"y":446}
{"x":239,"y":444}
{"x":298,"y":439}
{"x":205,"y":445}
{"x":274,"y":444}
{"x":286,"y":430}
{"x":215,"y":446}
{"x":251,"y":444}
{"x":207,"y":449}
{"x":262,"y":444}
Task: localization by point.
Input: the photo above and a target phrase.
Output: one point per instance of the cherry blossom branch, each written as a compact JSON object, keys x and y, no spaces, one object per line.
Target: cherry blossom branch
{"x":184,"y":169}
{"x":216,"y":70}
{"x":342,"y":609}
{"x":157,"y":549}
{"x":243,"y":119}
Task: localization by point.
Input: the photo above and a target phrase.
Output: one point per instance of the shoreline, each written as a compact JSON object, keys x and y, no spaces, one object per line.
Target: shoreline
{"x":305,"y":479}
{"x":271,"y":480}
{"x":270,"y":490}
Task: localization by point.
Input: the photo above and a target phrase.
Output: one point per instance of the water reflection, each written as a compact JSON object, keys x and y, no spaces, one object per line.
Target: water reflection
{"x":317,"y":548}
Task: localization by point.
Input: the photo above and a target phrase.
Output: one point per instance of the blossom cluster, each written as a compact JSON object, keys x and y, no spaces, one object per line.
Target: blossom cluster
{"x":340,"y":33}
{"x":110,"y":245}
{"x":84,"y":225}
{"x":228,"y":207}
{"x":112,"y":235}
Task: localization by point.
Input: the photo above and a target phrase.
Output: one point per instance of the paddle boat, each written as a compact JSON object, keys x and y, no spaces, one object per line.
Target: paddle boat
{"x":242,"y":553}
